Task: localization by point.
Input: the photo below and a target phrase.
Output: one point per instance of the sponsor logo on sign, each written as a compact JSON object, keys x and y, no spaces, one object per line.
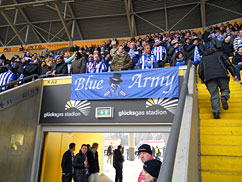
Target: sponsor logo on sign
{"x":83,"y":106}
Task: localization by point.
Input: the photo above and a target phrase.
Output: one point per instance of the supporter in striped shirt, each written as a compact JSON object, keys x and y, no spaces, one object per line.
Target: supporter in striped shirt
{"x":238,"y":41}
{"x":147,"y":60}
{"x":97,"y":66}
{"x":159,"y":52}
{"x":6,"y":77}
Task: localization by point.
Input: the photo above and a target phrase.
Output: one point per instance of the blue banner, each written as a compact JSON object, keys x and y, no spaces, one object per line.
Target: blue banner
{"x":133,"y":84}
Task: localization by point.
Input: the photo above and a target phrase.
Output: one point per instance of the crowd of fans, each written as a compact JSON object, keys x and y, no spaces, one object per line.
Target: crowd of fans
{"x":151,"y":51}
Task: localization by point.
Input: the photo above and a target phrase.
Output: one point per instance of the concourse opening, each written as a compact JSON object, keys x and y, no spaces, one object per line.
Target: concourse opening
{"x":55,"y":143}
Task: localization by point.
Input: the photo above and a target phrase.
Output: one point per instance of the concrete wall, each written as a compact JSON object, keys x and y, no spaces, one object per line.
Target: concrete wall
{"x":186,"y":167}
{"x":21,"y":118}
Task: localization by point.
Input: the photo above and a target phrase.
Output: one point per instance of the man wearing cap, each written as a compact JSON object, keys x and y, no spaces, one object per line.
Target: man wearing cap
{"x":159,"y":52}
{"x":114,"y":48}
{"x":96,"y":66}
{"x":151,"y":170}
{"x":145,"y":154}
{"x":59,"y":67}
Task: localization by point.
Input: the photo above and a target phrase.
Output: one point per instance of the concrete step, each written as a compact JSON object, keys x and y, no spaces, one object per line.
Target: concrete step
{"x":222,"y":150}
{"x":222,"y":163}
{"x":231,"y":104}
{"x":215,"y":130}
{"x":232,"y":109}
{"x":222,"y":115}
{"x":220,"y":140}
{"x":231,"y":100}
{"x":221,"y":122}
{"x":221,"y":176}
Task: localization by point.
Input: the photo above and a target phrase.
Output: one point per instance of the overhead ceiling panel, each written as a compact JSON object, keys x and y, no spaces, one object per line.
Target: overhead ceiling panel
{"x":179,"y":2}
{"x":141,"y":5}
{"x":104,"y":27}
{"x":216,"y":15}
{"x":41,"y":13}
{"x":157,"y":18}
{"x":192,"y":20}
{"x":87,"y":8}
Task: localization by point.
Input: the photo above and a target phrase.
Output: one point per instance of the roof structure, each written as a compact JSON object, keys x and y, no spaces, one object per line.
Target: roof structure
{"x":44,"y":21}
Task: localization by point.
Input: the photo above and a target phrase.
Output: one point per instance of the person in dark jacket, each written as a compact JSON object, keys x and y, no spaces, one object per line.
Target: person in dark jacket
{"x":237,"y":61}
{"x":205,"y":38}
{"x":66,"y":163}
{"x":31,"y":69}
{"x":118,"y":160}
{"x":227,"y":48}
{"x":80,"y":164}
{"x":110,"y":153}
{"x":195,"y":50}
{"x":213,"y":72}
{"x":79,"y":65}
{"x":59,"y":67}
{"x":92,"y":156}
{"x":46,"y":67}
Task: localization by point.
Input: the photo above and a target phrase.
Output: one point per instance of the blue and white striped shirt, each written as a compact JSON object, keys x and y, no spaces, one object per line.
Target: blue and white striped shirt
{"x":158,"y":52}
{"x":93,"y":67}
{"x":5,"y":78}
{"x":147,"y":61}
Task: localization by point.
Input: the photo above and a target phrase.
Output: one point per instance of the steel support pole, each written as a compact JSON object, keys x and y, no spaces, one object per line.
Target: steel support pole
{"x":63,"y":22}
{"x":128,"y":17}
{"x":203,"y":14}
{"x":166,"y":15}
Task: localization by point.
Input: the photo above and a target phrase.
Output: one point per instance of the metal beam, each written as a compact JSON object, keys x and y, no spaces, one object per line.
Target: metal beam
{"x":69,"y":19}
{"x":28,"y":4}
{"x":1,"y":42}
{"x":16,"y":35}
{"x":203,"y":13}
{"x":63,"y":22}
{"x":13,"y":27}
{"x":59,"y":31}
{"x":133,"y":23}
{"x":128,"y":18}
{"x":52,"y":8}
{"x":183,"y":17}
{"x":27,"y":34}
{"x":76,"y":24}
{"x":15,"y":17}
{"x":28,"y":22}
{"x":235,"y":12}
{"x":48,"y":33}
{"x":149,"y":22}
{"x":166,"y":15}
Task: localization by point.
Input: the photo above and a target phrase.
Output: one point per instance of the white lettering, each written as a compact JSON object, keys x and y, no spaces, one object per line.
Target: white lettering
{"x":169,"y":84}
{"x":137,"y":80}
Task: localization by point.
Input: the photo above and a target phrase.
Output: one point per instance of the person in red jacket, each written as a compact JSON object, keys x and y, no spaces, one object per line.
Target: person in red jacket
{"x":145,"y":154}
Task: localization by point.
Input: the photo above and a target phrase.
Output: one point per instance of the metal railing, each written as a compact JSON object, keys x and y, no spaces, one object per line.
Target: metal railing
{"x":19,"y":82}
{"x":166,"y":170}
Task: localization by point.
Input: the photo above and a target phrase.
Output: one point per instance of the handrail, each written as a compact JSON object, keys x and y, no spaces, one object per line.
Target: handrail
{"x":166,"y":170}
{"x":21,"y":80}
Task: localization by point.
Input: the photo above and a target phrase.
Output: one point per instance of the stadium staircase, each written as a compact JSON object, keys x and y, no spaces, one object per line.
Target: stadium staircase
{"x":221,"y":139}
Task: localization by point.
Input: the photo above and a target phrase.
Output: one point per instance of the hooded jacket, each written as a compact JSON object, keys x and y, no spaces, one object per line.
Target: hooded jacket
{"x":214,"y":65}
